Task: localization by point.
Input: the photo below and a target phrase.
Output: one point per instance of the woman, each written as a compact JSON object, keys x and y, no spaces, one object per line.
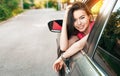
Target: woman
{"x":75,"y":31}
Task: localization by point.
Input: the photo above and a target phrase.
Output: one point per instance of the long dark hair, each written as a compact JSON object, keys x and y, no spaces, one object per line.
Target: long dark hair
{"x":71,"y":30}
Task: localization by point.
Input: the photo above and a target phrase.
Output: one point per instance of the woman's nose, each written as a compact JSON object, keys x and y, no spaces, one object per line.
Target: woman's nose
{"x":78,"y":21}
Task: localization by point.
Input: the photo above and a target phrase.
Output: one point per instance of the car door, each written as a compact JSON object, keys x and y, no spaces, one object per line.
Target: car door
{"x":104,"y":49}
{"x":91,"y":63}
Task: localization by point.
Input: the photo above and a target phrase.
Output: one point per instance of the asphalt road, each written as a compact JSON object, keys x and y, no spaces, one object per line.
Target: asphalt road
{"x":27,"y":47}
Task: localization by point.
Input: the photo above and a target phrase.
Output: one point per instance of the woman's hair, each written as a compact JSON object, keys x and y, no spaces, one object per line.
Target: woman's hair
{"x":71,"y":30}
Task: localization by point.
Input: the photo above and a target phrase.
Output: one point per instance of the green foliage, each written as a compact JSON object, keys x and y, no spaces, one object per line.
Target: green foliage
{"x":32,"y":2}
{"x":111,"y":32}
{"x":51,"y":4}
{"x":26,"y":5}
{"x":16,"y":11}
{"x":9,"y":8}
{"x":56,"y":6}
{"x":4,"y":12}
{"x":11,"y":4}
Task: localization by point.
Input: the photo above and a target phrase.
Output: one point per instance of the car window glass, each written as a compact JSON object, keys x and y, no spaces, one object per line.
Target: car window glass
{"x":107,"y":53}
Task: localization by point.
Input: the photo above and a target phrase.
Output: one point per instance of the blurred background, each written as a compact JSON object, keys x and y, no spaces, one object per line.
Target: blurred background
{"x":10,"y":8}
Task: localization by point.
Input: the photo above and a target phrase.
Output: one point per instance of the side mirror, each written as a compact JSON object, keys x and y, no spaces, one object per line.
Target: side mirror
{"x":55,"y":26}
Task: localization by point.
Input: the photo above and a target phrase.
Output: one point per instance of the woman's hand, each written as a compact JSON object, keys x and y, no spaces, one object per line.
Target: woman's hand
{"x":58,"y":64}
{"x":67,"y":9}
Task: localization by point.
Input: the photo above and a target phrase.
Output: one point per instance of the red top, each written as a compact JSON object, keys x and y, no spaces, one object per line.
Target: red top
{"x":80,"y":35}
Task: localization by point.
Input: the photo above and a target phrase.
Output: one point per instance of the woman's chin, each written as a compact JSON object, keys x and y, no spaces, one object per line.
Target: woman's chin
{"x":81,"y":30}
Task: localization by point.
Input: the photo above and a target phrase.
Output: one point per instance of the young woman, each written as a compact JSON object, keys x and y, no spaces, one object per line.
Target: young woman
{"x":75,"y":30}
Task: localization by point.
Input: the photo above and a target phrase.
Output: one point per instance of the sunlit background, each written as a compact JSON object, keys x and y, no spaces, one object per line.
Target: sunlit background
{"x":9,"y":8}
{"x":61,"y":4}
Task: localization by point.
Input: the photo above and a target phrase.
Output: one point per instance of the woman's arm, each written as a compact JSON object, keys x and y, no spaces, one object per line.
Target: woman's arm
{"x":63,"y":37}
{"x":77,"y":46}
{"x":64,"y":42}
{"x":74,"y":48}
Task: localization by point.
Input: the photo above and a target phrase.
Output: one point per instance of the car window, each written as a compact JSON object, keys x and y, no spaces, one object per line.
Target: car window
{"x":107,"y":54}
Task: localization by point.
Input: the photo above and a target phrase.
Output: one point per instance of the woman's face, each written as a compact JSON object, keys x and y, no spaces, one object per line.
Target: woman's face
{"x":81,"y":20}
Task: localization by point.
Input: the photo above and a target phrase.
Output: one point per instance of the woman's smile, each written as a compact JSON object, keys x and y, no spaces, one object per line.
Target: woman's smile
{"x":80,"y":27}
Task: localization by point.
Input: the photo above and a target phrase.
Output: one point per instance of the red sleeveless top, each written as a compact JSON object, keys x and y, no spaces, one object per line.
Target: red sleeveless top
{"x":80,"y":35}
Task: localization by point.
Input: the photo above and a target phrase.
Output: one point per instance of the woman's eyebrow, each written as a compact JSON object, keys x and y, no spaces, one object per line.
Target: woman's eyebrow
{"x":82,"y":15}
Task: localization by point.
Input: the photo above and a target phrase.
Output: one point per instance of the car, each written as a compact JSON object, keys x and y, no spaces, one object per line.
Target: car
{"x":101,"y":54}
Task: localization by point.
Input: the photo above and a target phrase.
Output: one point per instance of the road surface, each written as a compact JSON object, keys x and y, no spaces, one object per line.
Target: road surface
{"x":27,"y":47}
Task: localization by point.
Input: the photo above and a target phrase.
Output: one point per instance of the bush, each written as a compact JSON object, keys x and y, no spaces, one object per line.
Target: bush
{"x":26,"y":5}
{"x":16,"y":11}
{"x":49,"y":4}
{"x":56,"y":6}
{"x":9,"y":8}
{"x":4,"y":12}
{"x":52,"y":4}
{"x":11,"y":4}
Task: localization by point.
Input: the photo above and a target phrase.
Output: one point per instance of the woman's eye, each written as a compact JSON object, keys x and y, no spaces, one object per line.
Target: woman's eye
{"x":82,"y":17}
